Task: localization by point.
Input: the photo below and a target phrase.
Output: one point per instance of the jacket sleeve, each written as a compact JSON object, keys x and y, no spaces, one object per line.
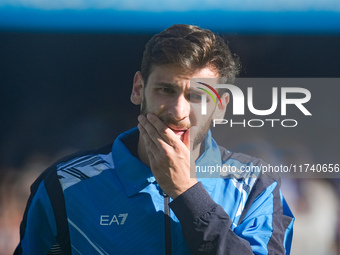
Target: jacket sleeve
{"x":38,"y":228}
{"x":263,"y":228}
{"x":44,"y":227}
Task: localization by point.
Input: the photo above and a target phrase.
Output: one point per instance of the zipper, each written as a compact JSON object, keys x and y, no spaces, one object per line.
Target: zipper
{"x":167,"y":224}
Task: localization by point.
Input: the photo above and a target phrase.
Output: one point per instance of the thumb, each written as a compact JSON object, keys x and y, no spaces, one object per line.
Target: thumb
{"x":189,"y":137}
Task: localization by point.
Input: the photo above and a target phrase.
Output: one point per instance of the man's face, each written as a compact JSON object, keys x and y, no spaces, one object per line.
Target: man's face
{"x":168,"y":95}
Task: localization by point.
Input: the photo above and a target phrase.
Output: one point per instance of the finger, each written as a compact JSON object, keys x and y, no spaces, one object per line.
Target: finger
{"x":158,"y":136}
{"x":188,"y":140}
{"x":148,"y":127}
{"x":165,"y":132}
{"x":150,"y":133}
{"x":189,"y":137}
{"x":150,"y":146}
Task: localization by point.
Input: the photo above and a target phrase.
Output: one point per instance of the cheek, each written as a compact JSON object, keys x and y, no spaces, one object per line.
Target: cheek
{"x":195,"y":113}
{"x":199,"y":120}
{"x":154,"y":106}
{"x":203,"y":120}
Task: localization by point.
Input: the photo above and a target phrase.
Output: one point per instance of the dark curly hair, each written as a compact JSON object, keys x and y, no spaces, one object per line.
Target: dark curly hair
{"x":190,"y":48}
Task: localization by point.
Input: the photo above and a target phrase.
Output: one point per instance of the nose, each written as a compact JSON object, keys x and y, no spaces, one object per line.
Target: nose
{"x":180,"y":108}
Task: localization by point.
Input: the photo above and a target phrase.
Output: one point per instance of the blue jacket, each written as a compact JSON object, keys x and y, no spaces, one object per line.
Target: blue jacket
{"x":108,"y":202}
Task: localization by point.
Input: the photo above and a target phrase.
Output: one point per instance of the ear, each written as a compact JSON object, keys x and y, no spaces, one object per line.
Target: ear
{"x":221,"y":109}
{"x":137,"y":89}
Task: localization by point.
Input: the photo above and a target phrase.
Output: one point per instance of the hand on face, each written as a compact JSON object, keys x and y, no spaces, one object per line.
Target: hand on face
{"x":168,"y":153}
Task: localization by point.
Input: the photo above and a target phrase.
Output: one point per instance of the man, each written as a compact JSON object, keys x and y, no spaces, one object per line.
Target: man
{"x":117,"y":200}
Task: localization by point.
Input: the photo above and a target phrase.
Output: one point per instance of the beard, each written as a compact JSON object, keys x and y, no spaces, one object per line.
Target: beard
{"x":199,"y":137}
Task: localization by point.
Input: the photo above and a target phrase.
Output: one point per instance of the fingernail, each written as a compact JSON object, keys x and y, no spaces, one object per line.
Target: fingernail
{"x":140,"y":117}
{"x":140,"y":127}
{"x":149,"y":116}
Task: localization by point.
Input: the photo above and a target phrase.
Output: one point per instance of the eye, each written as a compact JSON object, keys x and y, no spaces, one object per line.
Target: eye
{"x":166,"y":90}
{"x":195,"y":97}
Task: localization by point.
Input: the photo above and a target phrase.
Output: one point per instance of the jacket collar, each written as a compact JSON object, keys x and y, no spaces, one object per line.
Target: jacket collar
{"x":134,"y":175}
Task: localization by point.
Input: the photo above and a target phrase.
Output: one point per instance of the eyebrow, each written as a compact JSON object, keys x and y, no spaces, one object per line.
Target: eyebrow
{"x":176,"y":86}
{"x":196,"y":90}
{"x":166,"y":84}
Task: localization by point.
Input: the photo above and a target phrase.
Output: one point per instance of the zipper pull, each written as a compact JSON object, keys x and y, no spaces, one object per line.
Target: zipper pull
{"x":167,"y":224}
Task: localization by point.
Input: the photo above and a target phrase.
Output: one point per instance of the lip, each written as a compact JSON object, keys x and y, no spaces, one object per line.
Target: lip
{"x":179,"y":132}
{"x":177,"y":129}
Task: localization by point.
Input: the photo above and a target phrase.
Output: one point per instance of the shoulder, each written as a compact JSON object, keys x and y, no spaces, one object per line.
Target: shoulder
{"x":242,"y":158}
{"x":46,"y":204}
{"x":249,"y":170}
{"x":76,"y":167}
{"x":83,"y":166}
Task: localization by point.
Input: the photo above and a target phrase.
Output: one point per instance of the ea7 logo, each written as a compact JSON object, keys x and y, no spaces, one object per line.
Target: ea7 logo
{"x":108,"y":220}
{"x":238,"y":100}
